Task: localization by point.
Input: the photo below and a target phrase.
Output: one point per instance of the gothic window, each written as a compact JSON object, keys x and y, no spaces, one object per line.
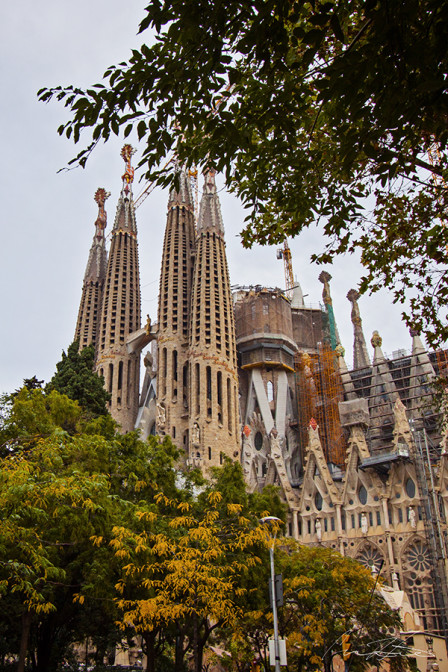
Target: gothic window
{"x":120,"y":375}
{"x":258,"y":440}
{"x":370,"y":556}
{"x":410,"y":488}
{"x":318,"y":501}
{"x":111,"y":376}
{"x":270,"y":388}
{"x":362,"y":495}
{"x":418,"y":582}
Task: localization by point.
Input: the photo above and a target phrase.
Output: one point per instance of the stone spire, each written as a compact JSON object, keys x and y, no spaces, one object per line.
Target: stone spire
{"x":120,"y":313}
{"x":325,"y":278}
{"x":347,"y":383}
{"x":383,"y":395}
{"x":213,"y":405}
{"x":421,"y":377}
{"x":174,"y":315}
{"x":361,"y":358}
{"x":92,"y":289}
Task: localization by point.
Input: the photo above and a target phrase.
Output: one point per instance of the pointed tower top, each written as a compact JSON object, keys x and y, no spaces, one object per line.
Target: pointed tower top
{"x":126,"y":153}
{"x":96,"y":264}
{"x":361,"y":358}
{"x":182,"y":195}
{"x":377,"y":342}
{"x":210,"y":217}
{"x":101,"y":196}
{"x":125,"y":216}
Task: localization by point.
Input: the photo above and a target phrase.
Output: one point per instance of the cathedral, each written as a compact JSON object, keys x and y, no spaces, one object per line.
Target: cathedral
{"x":254,"y":374}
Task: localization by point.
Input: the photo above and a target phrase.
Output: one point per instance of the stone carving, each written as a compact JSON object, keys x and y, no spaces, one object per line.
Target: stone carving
{"x":195,"y":434}
{"x":161,"y":416}
{"x":364,"y":523}
{"x":376,"y":340}
{"x":318,"y":529}
{"x":412,"y":518}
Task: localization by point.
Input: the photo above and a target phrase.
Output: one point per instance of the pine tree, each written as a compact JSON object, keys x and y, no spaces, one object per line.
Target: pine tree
{"x":75,"y":378}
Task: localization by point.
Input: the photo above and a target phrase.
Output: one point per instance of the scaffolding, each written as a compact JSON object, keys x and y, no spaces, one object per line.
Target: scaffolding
{"x":319,"y":391}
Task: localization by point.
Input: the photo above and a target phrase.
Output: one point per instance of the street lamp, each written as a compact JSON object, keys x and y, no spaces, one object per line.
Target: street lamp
{"x":273,"y":522}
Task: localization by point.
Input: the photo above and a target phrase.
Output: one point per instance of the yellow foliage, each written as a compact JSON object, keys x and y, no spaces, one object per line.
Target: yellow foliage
{"x":214,"y":497}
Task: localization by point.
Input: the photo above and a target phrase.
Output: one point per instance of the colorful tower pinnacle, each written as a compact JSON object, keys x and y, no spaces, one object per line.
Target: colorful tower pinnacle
{"x":92,"y":289}
{"x":325,"y":278}
{"x":361,"y":358}
{"x":213,"y":405}
{"x":120,"y":313}
{"x":174,"y":314}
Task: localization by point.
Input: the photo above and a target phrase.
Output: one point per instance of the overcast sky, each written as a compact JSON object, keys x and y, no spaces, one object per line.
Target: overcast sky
{"x":47,"y":217}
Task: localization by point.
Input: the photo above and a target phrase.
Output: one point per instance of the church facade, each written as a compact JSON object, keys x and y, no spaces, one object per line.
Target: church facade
{"x":258,"y":376}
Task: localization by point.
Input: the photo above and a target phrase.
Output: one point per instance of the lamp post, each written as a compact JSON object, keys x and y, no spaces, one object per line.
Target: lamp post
{"x":269,"y":521}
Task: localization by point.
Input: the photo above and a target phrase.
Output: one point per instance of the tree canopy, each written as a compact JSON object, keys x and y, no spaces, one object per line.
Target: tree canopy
{"x":75,"y":378}
{"x":332,"y":113}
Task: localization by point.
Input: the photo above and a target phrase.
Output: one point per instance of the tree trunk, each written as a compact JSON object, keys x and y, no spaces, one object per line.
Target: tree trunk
{"x":179,"y":650}
{"x":26,"y":625}
{"x":150,"y":639}
{"x":196,"y":644}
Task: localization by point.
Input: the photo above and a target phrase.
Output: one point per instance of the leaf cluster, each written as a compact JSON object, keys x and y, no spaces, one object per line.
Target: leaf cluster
{"x":314,"y":111}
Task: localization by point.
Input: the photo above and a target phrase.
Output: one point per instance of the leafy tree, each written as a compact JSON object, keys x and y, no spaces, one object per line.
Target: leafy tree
{"x":325,"y":596}
{"x":75,"y":378}
{"x":189,"y":565}
{"x":58,"y":490}
{"x":317,"y":112}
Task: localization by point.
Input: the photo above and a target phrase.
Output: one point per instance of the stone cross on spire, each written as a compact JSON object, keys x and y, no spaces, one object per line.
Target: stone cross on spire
{"x":361,"y":358}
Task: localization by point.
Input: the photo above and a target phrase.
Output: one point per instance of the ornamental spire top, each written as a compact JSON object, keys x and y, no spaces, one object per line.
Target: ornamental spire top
{"x":126,"y":154}
{"x":101,"y":196}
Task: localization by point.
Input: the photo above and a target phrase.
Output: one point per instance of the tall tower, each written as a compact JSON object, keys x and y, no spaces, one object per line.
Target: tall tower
{"x":213,"y":405}
{"x":120,"y":313}
{"x":92,"y":289}
{"x":174,"y":315}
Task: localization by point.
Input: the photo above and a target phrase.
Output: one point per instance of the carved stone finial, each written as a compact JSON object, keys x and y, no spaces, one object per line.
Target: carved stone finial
{"x":376,"y":340}
{"x":339,"y":350}
{"x":353,"y":295}
{"x":306,"y":359}
{"x":325,"y":278}
{"x":101,"y":195}
{"x":126,"y":154}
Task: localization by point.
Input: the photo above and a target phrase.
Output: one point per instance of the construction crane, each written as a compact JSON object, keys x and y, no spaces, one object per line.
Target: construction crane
{"x":285,"y":254}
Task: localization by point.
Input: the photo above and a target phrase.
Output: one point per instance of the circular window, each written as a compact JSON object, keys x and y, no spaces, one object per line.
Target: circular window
{"x":370,"y":556}
{"x":318,"y":501}
{"x":418,"y":556}
{"x":258,"y":440}
{"x":362,"y":495}
{"x":410,"y":488}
